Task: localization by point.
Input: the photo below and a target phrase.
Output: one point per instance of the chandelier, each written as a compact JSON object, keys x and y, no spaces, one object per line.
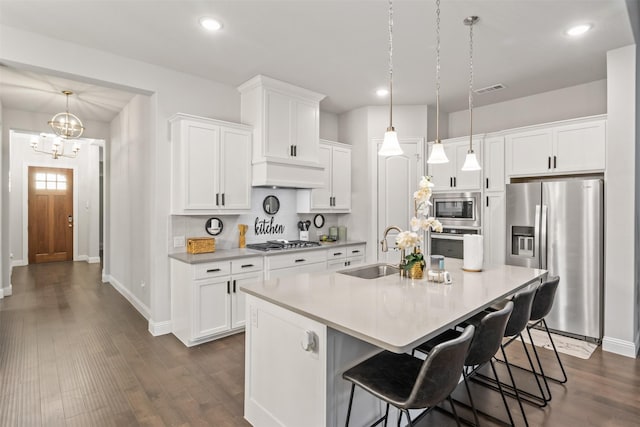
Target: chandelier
{"x":66,"y":125}
{"x":54,"y":146}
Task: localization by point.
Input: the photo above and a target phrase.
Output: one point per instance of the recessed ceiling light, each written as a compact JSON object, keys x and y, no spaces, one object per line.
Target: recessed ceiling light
{"x":382,"y":92}
{"x":210,"y":24}
{"x":579,"y":30}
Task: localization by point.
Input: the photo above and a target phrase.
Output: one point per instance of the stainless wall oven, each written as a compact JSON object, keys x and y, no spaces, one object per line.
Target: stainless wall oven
{"x":460,"y":214}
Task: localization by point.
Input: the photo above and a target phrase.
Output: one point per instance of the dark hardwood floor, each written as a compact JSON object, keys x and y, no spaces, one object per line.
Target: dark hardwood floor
{"x":74,"y":352}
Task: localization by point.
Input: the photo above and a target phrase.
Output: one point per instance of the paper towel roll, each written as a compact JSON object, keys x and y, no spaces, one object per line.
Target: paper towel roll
{"x":472,"y":252}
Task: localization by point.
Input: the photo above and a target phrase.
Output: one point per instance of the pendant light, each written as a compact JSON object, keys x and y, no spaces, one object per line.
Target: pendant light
{"x":437,"y":151}
{"x":390,"y":145}
{"x":66,"y":125}
{"x":471,"y":162}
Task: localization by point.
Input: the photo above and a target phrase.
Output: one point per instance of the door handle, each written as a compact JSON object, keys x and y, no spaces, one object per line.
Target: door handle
{"x":291,"y":150}
{"x":234,"y":286}
{"x":70,"y":221}
{"x":228,"y":286}
{"x":217,"y":199}
{"x":222,"y":199}
{"x":487,"y":182}
{"x":487,"y":201}
{"x":455,"y":184}
{"x":554,"y":162}
{"x":549,"y":162}
{"x":295,"y":151}
{"x":450,"y":181}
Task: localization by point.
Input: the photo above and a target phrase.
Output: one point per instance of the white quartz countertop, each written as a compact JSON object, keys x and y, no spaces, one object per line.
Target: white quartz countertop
{"x":392,"y":312}
{"x":229,"y":254}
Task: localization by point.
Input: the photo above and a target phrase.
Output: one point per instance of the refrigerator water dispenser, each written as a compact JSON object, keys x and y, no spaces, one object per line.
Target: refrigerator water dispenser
{"x":522,"y":241}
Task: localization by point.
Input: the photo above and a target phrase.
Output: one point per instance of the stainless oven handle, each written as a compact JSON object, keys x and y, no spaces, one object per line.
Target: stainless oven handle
{"x":447,"y":236}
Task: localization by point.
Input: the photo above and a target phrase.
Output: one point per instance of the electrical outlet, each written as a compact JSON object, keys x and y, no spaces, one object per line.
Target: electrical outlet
{"x":178,"y":242}
{"x":142,"y":284}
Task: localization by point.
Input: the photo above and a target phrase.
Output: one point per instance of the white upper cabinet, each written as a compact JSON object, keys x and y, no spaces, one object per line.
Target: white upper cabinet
{"x":286,"y":132}
{"x":211,"y":166}
{"x":335,"y":193}
{"x":450,"y":176}
{"x":493,"y":163}
{"x":552,"y":149}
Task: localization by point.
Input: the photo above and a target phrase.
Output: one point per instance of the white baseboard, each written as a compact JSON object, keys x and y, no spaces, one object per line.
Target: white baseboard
{"x":621,"y":347}
{"x":19,"y":263}
{"x":159,"y":328}
{"x":135,"y":302}
{"x":81,"y":258}
{"x":6,"y":292}
{"x":93,"y":259}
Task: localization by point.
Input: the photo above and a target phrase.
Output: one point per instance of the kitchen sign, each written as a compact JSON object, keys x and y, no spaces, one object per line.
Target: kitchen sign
{"x":267,"y":226}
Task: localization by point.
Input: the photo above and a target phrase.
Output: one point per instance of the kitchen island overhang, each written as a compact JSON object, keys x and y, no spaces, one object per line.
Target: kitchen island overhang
{"x":304,"y":331}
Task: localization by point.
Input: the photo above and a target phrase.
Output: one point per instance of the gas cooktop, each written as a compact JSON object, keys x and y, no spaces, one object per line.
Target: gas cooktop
{"x":277,"y":245}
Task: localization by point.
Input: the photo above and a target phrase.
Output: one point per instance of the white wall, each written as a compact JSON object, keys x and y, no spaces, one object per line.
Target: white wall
{"x":329,"y":126}
{"x":621,"y":287}
{"x":5,"y":282}
{"x":86,"y":189}
{"x":576,"y":101}
{"x":171,"y":91}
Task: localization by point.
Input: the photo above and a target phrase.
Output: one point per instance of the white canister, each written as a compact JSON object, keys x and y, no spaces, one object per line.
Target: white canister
{"x":304,"y":236}
{"x":473,"y":252}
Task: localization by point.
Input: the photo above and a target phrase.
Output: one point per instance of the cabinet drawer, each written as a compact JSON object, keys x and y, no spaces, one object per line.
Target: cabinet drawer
{"x":337,"y":253}
{"x":356,"y":251}
{"x":211,"y":269}
{"x":246,"y":265}
{"x":297,"y":259}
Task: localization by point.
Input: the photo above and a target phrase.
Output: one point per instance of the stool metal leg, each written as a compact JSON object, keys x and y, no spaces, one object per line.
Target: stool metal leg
{"x":473,"y":406}
{"x":564,"y":374}
{"x":353,"y":387}
{"x":515,"y":389}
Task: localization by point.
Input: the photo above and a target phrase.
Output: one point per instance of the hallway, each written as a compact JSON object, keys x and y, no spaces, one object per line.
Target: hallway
{"x":74,"y":352}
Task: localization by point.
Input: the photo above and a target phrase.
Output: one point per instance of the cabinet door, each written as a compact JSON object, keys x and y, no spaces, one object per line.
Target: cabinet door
{"x":277,"y":125}
{"x":579,"y":147}
{"x":320,"y":197}
{"x":341,"y":178}
{"x":238,"y":309}
{"x":494,"y":229}
{"x":442,"y":174}
{"x":467,"y":180}
{"x":493,"y":164}
{"x":200,"y":145}
{"x":529,"y":152}
{"x":235,"y":165}
{"x":306,"y":130}
{"x":212,"y":314}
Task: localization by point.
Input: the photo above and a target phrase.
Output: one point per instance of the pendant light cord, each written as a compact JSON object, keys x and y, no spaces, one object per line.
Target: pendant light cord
{"x":437,"y":71}
{"x":390,"y":64}
{"x":471,"y":86}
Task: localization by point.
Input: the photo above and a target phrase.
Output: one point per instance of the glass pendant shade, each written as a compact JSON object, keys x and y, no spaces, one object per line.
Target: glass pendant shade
{"x":437,"y":155}
{"x":390,"y":145}
{"x":471,"y":162}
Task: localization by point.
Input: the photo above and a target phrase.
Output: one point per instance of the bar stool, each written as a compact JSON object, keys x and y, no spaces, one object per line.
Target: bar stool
{"x":522,"y":303}
{"x":489,"y":331}
{"x":542,"y":304}
{"x":407,"y":382}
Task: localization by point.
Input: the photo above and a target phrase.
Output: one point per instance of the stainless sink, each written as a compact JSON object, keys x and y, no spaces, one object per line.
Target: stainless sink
{"x":372,"y":271}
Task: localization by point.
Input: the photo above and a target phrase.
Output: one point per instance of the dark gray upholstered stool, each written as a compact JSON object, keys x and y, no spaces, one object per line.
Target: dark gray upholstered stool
{"x":542,"y":304}
{"x":407,"y":382}
{"x":486,"y":342}
{"x":522,"y":303}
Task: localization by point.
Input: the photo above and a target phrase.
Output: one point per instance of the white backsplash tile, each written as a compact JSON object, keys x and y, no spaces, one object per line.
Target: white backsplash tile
{"x":194,"y":226}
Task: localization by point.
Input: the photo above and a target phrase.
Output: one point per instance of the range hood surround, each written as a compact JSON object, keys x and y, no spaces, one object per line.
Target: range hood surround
{"x":286,"y":133}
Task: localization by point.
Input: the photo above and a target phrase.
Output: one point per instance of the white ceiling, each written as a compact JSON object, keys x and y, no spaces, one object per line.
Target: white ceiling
{"x":338,"y":48}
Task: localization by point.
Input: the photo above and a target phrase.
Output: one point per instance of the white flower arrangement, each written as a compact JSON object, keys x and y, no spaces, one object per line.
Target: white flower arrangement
{"x":421,"y":220}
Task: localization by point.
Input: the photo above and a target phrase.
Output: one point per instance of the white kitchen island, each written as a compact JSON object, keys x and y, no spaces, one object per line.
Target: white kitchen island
{"x":303,"y":331}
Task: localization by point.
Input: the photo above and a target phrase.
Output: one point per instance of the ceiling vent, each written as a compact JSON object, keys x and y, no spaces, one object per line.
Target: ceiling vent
{"x":491,"y":88}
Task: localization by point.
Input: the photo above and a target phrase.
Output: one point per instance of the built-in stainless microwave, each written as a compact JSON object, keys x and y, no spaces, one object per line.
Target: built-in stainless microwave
{"x":457,"y":209}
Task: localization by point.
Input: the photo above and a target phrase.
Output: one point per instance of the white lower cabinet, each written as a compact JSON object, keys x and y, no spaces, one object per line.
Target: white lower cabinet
{"x":296,"y":263}
{"x":345,"y":256}
{"x":206,"y":302}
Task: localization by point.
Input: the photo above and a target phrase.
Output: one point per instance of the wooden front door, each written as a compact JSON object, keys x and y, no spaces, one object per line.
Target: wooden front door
{"x":50,"y":214}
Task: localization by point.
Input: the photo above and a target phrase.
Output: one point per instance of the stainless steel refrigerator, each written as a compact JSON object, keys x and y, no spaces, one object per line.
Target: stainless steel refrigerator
{"x":558,"y":226}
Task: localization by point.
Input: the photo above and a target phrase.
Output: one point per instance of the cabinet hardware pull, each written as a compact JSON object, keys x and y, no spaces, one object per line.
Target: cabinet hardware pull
{"x":487,"y":182}
{"x":217,"y":199}
{"x":549,"y":162}
{"x":455,"y":184}
{"x":300,"y":260}
{"x":337,"y":253}
{"x":450,"y":181}
{"x":554,"y":162}
{"x":246,"y":265}
{"x":295,"y":150}
{"x":356,"y":251}
{"x":291,"y":150}
{"x":228,"y":286}
{"x":487,"y":201}
{"x":222,"y":199}
{"x":234,"y":286}
{"x":213,"y":270}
